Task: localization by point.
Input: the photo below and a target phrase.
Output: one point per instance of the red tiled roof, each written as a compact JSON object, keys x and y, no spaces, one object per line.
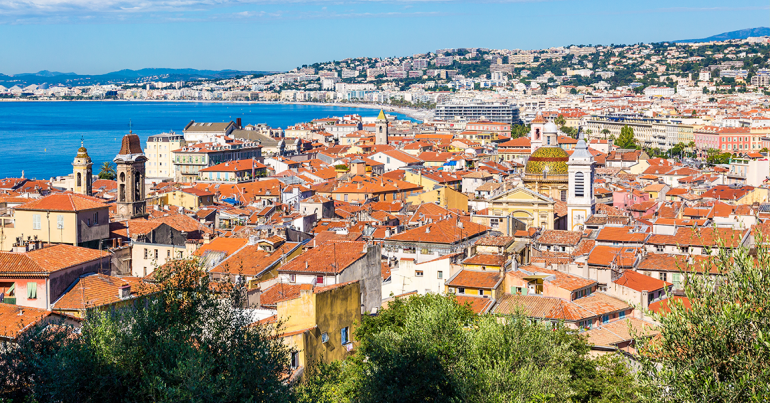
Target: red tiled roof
{"x":98,"y":290}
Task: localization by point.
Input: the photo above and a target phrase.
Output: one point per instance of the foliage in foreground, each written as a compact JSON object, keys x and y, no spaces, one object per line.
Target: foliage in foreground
{"x":430,"y":348}
{"x":183,"y":343}
{"x":718,"y":350}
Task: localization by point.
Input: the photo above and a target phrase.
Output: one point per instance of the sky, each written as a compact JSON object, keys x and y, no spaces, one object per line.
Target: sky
{"x":100,"y":36}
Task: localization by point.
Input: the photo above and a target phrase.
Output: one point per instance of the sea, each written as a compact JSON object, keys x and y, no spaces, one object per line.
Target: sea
{"x":40,"y":139}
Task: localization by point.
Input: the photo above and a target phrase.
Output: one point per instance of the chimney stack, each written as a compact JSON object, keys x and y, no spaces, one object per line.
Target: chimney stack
{"x":124,"y":291}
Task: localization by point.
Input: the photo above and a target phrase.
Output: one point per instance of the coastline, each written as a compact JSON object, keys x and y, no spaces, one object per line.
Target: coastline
{"x":418,"y":114}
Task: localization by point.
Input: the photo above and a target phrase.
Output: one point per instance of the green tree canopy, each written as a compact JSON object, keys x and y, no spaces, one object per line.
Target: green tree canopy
{"x":107,"y":171}
{"x":519,"y":131}
{"x":182,"y":342}
{"x":718,"y":349}
{"x":627,"y":139}
{"x":430,"y":348}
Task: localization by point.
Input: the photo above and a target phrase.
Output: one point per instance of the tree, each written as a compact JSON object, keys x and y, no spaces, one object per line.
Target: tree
{"x":519,"y":131}
{"x":716,"y":350}
{"x":431,"y":348}
{"x":183,"y":342}
{"x":107,"y":171}
{"x":560,"y":121}
{"x":605,"y":132}
{"x":626,"y":139}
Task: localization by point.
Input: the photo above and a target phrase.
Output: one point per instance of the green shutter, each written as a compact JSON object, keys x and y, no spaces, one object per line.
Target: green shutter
{"x":31,"y":290}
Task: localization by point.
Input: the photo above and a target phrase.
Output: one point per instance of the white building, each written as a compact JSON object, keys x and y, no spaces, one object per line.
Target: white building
{"x":160,"y":161}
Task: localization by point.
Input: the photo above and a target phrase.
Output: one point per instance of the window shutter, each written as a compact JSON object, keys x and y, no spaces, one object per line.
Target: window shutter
{"x":31,"y":290}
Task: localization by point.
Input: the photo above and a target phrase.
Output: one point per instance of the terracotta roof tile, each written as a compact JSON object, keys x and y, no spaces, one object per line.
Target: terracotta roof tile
{"x":476,"y":279}
{"x":47,"y":260}
{"x":640,"y":282}
{"x":70,"y":202}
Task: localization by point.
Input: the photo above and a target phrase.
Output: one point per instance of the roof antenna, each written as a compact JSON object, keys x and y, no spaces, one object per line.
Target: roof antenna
{"x":130,"y":126}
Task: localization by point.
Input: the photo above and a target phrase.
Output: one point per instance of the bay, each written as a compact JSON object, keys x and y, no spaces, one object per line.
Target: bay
{"x":42,"y":138}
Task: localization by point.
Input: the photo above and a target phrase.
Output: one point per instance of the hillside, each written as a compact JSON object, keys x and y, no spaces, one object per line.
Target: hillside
{"x":741,"y":34}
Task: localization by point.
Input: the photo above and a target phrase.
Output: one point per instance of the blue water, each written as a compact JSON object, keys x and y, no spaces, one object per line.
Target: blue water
{"x":42,"y":138}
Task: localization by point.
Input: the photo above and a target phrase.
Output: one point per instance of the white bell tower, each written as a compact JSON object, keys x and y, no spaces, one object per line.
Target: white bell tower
{"x":580,"y":202}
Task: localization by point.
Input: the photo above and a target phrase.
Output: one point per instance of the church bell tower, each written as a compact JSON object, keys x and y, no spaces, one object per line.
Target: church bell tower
{"x":82,"y":172}
{"x":580,"y":202}
{"x":130,"y":168}
{"x":381,"y":129}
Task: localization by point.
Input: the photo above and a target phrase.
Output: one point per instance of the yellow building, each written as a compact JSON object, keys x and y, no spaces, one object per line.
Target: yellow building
{"x":60,"y":218}
{"x":319,"y":322}
{"x":189,"y":198}
{"x":531,"y":208}
{"x":445,"y":197}
{"x":487,"y":284}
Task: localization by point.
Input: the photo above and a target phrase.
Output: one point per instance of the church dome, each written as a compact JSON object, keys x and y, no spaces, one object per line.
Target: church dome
{"x":552,"y":160}
{"x":83,"y":153}
{"x":550,"y":127}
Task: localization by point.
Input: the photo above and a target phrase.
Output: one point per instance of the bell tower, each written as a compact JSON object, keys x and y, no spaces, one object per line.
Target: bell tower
{"x":82,"y":172}
{"x":131,"y":174}
{"x":381,"y":129}
{"x":580,"y":202}
{"x":536,"y":132}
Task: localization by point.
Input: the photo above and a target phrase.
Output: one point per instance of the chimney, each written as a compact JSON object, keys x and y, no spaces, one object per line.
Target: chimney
{"x":427,"y":229}
{"x":387,"y":232}
{"x":124,"y":291}
{"x":238,"y":123}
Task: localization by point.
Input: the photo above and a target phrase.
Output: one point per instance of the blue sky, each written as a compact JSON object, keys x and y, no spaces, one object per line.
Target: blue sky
{"x":99,"y":36}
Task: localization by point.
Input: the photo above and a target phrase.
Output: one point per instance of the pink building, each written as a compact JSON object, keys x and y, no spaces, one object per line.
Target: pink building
{"x":622,"y":199}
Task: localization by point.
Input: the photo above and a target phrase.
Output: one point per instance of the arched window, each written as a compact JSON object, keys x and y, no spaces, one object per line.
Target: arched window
{"x":122,"y":176}
{"x":80,"y":180}
{"x":579,"y":185}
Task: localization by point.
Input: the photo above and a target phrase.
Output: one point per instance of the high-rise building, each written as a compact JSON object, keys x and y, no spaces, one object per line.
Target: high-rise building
{"x":471,"y":112}
{"x":131,"y":173}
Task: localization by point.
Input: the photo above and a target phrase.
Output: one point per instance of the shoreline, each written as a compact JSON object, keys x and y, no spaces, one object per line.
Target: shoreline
{"x":420,"y":115}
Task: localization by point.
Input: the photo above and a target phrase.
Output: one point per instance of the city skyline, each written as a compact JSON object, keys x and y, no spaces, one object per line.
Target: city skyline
{"x":88,"y":37}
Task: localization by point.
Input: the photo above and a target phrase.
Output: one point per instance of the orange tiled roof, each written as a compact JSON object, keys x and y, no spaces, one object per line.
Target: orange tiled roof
{"x":70,"y":202}
{"x":46,"y":260}
{"x":476,"y":279}
{"x":253,"y":261}
{"x":14,"y":319}
{"x":640,"y":282}
{"x":226,"y":245}
{"x":444,"y":232}
{"x":330,"y":257}
{"x":98,"y":290}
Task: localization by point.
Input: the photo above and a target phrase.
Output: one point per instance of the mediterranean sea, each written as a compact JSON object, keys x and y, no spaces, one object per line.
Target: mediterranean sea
{"x":42,"y":138}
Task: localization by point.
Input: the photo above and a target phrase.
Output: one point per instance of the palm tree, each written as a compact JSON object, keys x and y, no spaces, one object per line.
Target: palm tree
{"x":605,"y":132}
{"x":107,"y":171}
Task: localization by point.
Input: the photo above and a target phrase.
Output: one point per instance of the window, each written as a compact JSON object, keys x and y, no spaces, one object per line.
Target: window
{"x":622,"y":314}
{"x":344,"y":336}
{"x":168,"y":254}
{"x":31,"y":290}
{"x":294,"y":359}
{"x":579,"y":185}
{"x":494,"y":222}
{"x":440,"y":274}
{"x":324,"y":337}
{"x":605,"y":318}
{"x":59,"y":221}
{"x":96,"y":218}
{"x":156,"y":254}
{"x":461,"y":290}
{"x":35,"y":221}
{"x":418,"y":273}
{"x":179,"y":254}
{"x":481,"y":292}
{"x":319,"y":279}
{"x":663,"y":276}
{"x":146,"y":253}
{"x":659,"y":248}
